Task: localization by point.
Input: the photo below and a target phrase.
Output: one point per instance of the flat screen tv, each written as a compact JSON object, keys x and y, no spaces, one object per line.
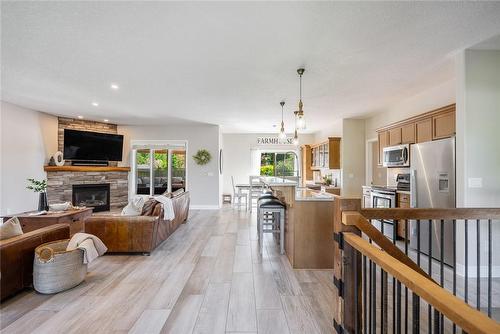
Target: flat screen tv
{"x":92,"y":146}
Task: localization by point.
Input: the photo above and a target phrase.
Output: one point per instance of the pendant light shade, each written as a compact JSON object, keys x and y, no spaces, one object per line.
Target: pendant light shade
{"x":282,"y":134}
{"x":300,"y":122}
{"x":296,"y":138}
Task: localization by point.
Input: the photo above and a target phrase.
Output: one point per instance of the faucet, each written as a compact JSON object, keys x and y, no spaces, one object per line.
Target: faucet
{"x":298,"y":166}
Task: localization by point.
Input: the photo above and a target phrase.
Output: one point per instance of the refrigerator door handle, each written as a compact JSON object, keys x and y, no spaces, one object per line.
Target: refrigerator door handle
{"x":413,"y":188}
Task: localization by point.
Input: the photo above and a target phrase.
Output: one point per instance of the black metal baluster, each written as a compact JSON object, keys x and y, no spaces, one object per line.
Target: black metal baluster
{"x":374,"y":298}
{"x":489,"y":268}
{"x":466,"y":246}
{"x":370,"y":293}
{"x":416,"y":313}
{"x":418,"y":242}
{"x":441,"y":273}
{"x":356,"y":292}
{"x":429,"y":270}
{"x":398,"y":307}
{"x":406,"y":288}
{"x":454,"y":237}
{"x":394,"y":290}
{"x":365,"y":323}
{"x":478,"y":264}
{"x":383,"y":300}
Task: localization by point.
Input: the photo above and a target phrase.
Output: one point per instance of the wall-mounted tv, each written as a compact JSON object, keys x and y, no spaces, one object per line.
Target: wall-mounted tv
{"x":92,"y":146}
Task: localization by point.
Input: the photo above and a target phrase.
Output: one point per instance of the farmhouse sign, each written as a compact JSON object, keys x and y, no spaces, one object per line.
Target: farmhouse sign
{"x":274,"y":141}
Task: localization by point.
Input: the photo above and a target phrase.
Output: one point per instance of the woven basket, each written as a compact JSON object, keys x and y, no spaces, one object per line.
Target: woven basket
{"x":55,"y":269}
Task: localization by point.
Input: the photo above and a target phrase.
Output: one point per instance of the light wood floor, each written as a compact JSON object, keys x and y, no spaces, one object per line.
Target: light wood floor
{"x":208,"y":277}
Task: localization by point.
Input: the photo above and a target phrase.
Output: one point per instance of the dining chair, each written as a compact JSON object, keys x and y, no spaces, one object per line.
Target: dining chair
{"x":254,"y":191}
{"x":237,"y":194}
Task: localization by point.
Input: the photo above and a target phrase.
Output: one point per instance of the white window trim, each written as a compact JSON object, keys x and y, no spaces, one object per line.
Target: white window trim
{"x":152,"y":145}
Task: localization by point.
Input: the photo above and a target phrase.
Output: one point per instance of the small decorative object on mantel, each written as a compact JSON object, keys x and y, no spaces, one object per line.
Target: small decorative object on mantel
{"x":202,"y":157}
{"x":41,"y":188}
{"x":58,"y":157}
{"x":52,"y":162}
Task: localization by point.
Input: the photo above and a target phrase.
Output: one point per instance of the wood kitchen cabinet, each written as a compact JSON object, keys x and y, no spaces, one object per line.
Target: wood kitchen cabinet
{"x":432,"y":125}
{"x":424,"y":130}
{"x":403,"y":201}
{"x":383,"y":141}
{"x":443,"y":125}
{"x":327,"y":154}
{"x":395,"y":136}
{"x":307,"y":157}
{"x":408,"y":134}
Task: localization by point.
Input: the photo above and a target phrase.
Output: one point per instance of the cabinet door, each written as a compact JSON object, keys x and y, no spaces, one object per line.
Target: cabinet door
{"x":326,"y":162}
{"x":444,"y":125}
{"x":383,"y":140}
{"x":408,"y":134}
{"x":424,"y":130}
{"x":334,"y":153}
{"x":394,"y":136}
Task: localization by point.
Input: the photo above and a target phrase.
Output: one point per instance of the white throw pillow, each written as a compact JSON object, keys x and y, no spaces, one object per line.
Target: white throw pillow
{"x":11,"y":228}
{"x":134,"y":207}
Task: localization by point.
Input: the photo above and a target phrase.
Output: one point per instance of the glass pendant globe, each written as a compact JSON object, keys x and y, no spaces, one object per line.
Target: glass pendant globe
{"x":300,"y":123}
{"x":282,"y":135}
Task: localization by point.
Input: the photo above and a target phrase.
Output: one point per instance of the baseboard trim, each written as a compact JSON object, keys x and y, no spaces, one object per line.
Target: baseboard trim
{"x":204,"y":207}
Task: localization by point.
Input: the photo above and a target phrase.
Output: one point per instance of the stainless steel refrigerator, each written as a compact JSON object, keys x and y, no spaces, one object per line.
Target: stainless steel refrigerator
{"x":432,"y":185}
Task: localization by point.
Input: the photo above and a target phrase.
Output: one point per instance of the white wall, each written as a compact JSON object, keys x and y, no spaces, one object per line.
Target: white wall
{"x":202,"y":181}
{"x":241,"y":155}
{"x":353,"y":157}
{"x":478,"y":146}
{"x":28,"y":139}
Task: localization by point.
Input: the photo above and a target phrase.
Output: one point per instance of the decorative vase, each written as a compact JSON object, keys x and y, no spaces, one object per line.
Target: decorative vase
{"x":43,"y":202}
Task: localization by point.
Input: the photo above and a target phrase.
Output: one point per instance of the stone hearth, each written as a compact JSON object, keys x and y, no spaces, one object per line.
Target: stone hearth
{"x":60,"y":185}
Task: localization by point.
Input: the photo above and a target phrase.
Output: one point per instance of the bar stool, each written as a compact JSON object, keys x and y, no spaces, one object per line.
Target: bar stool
{"x":277,"y":221}
{"x":267,"y":216}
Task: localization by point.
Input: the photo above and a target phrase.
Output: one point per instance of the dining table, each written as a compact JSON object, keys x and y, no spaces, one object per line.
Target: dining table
{"x":246,"y":187}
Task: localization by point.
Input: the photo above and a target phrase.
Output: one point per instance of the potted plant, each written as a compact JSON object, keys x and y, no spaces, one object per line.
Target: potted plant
{"x":41,"y":188}
{"x":327,"y":180}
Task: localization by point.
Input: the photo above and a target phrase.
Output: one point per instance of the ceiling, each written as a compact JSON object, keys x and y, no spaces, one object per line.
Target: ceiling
{"x":230,"y":63}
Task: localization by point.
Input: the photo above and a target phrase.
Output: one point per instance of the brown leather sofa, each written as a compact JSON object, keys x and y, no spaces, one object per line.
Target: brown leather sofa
{"x":138,"y":234}
{"x":17,"y":253}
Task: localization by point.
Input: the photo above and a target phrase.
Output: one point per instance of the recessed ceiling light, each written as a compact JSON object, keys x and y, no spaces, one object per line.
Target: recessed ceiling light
{"x":114,"y":86}
{"x":95,"y":104}
{"x":106,"y":120}
{"x":80,"y":117}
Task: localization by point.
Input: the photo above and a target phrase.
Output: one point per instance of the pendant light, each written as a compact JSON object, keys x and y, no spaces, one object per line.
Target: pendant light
{"x":296,"y":138}
{"x":300,"y":122}
{"x":282,"y":134}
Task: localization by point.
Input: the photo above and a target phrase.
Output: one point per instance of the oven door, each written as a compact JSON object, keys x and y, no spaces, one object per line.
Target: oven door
{"x":384,"y":201}
{"x":396,"y":156}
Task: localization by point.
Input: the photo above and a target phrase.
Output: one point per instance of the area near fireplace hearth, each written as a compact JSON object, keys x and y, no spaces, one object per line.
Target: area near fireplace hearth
{"x":101,"y":187}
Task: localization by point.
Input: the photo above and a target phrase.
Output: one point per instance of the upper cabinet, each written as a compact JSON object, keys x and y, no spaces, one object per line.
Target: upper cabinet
{"x":435,"y":124}
{"x":326,"y":154}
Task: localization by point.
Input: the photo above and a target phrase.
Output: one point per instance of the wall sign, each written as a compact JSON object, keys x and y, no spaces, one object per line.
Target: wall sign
{"x":274,"y":141}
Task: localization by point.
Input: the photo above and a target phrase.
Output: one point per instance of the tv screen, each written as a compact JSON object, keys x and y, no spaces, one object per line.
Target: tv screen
{"x":85,"y":145}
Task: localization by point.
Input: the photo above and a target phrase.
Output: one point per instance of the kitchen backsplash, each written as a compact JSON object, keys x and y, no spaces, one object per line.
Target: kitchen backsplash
{"x":392,"y":173}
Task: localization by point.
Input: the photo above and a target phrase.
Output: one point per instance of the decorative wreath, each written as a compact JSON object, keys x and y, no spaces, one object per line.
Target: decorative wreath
{"x":202,"y":157}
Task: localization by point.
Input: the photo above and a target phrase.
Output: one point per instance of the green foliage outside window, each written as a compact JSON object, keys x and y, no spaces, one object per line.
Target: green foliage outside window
{"x":277,"y":164}
{"x":160,"y":159}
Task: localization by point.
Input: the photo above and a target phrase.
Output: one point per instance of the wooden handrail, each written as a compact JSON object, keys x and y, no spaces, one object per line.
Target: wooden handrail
{"x":469,"y":319}
{"x":447,"y":214}
{"x":354,"y":218}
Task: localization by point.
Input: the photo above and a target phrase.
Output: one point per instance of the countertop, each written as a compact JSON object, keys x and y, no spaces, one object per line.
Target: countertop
{"x":304,"y":194}
{"x":277,"y":181}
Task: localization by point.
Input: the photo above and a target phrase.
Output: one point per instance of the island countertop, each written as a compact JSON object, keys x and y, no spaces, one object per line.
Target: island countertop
{"x":277,"y":181}
{"x":304,"y":194}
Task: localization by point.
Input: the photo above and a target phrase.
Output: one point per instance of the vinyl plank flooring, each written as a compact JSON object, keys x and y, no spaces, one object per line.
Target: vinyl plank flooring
{"x":208,"y":277}
{"x":241,"y":315}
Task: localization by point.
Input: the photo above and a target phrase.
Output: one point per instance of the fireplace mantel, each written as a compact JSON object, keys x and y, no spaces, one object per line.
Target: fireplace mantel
{"x":85,"y":169}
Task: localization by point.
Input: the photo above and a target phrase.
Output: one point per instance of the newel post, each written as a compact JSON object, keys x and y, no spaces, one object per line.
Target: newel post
{"x":346,"y":272}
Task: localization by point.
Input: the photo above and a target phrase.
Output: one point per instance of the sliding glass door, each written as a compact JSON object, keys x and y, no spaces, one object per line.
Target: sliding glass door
{"x":158,"y":170}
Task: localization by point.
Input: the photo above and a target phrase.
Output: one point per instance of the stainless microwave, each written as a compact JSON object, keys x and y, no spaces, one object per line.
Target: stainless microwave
{"x":396,"y":156}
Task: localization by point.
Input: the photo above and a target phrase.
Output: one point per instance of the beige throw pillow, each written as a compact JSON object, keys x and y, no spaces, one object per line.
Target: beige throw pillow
{"x":10,"y":228}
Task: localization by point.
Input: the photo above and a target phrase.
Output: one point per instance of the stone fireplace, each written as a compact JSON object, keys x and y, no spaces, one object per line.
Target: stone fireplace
{"x":62,"y":181}
{"x":92,"y":195}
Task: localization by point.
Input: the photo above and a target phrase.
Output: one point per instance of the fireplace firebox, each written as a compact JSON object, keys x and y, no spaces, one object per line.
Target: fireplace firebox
{"x":92,"y":195}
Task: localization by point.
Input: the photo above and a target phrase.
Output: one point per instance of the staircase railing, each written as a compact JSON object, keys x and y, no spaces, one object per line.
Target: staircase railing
{"x":386,"y":286}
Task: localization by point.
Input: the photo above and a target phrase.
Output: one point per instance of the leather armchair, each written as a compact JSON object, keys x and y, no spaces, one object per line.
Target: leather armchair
{"x":17,"y":254}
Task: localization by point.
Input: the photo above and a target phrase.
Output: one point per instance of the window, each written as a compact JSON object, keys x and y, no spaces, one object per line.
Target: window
{"x":278,"y":164}
{"x":158,"y":168}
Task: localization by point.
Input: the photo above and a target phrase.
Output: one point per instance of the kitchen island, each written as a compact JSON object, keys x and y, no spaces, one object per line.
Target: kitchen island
{"x":308,"y":224}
